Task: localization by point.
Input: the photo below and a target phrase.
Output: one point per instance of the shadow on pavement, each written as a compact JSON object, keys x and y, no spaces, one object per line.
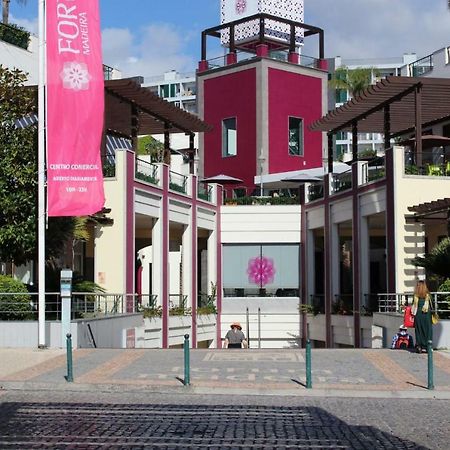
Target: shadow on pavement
{"x":113,"y":426}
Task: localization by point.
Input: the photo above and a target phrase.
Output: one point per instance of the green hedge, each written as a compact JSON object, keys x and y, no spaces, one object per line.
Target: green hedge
{"x":14,"y":307}
{"x":15,"y":35}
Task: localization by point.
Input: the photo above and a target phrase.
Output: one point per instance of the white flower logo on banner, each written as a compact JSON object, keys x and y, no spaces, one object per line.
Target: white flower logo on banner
{"x":75,"y":76}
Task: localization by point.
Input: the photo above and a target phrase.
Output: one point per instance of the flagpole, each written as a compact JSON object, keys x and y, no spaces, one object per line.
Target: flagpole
{"x":41,"y":178}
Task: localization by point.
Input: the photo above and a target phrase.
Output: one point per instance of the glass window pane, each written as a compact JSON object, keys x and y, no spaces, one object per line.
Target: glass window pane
{"x":229,"y":137}
{"x":295,"y":136}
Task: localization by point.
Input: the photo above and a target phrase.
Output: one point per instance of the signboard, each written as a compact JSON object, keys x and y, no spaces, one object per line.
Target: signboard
{"x":75,"y":105}
{"x":232,"y":10}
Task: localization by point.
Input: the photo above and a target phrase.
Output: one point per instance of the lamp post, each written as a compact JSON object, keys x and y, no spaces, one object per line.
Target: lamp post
{"x":261,"y":159}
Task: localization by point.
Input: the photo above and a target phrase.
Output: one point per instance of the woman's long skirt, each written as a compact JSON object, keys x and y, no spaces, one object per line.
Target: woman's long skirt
{"x":423,"y":326}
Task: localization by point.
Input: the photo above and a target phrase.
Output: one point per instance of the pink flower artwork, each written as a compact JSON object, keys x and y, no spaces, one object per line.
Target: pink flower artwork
{"x":260,"y":270}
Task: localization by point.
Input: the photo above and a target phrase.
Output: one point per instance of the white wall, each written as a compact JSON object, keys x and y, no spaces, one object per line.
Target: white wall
{"x":260,"y":224}
{"x":12,"y":57}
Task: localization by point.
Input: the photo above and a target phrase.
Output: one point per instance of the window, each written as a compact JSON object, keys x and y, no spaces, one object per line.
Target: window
{"x":164,"y":91}
{"x":229,"y":137}
{"x":250,"y":269}
{"x":341,"y":96}
{"x":295,"y":136}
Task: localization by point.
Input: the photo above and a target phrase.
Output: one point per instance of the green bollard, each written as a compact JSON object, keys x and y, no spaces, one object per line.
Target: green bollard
{"x":187,"y":377}
{"x":430,"y":365}
{"x":308,"y":365}
{"x":69,"y":376}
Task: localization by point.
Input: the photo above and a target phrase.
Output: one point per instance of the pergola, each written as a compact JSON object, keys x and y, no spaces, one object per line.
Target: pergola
{"x":132,"y":110}
{"x":394,"y":106}
{"x":435,"y":210}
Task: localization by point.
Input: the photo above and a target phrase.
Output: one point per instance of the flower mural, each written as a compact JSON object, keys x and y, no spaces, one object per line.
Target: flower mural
{"x":261,"y":270}
{"x":75,"y":76}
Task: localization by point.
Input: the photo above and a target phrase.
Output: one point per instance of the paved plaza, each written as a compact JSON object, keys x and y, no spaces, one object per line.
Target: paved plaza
{"x":135,"y":399}
{"x":343,"y":372}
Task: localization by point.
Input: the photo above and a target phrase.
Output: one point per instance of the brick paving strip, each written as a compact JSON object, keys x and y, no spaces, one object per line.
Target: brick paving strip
{"x":104,"y":372}
{"x":441,"y":362}
{"x":400,"y":378}
{"x":45,"y":367}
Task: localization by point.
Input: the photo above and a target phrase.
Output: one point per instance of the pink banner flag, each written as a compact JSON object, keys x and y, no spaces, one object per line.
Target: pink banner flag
{"x":75,"y":105}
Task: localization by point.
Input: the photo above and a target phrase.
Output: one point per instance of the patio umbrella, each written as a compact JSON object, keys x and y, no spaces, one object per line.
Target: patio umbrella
{"x":428,"y":141}
{"x":222,"y":179}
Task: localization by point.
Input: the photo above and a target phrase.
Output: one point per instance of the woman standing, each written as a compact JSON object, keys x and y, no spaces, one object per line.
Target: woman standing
{"x":421,"y":310}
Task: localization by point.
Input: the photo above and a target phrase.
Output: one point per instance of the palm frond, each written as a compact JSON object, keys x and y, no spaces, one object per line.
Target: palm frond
{"x":437,"y":261}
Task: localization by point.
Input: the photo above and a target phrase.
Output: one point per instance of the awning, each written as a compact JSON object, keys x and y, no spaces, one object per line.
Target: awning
{"x":154,"y":115}
{"x":368,"y":110}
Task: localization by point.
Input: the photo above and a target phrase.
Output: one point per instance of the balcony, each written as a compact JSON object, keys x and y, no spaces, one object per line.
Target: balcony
{"x":421,"y":66}
{"x":146,"y":172}
{"x":341,"y":182}
{"x":280,"y":55}
{"x":315,"y":191}
{"x":204,"y":192}
{"x":177,"y":182}
{"x":434,"y":163}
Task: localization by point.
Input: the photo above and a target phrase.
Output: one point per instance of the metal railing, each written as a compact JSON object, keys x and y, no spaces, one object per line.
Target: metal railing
{"x":24,"y":306}
{"x":317,"y":303}
{"x":204,"y":191}
{"x":146,"y":171}
{"x":343,"y":304}
{"x":421,"y":66}
{"x":395,"y":302}
{"x":374,"y":170}
{"x":433,"y":163}
{"x":315,"y":191}
{"x":280,"y":55}
{"x":107,"y":72}
{"x":178,"y":182}
{"x":341,"y":182}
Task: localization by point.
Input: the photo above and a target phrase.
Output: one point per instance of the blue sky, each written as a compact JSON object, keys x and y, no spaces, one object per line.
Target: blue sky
{"x":148,"y":37}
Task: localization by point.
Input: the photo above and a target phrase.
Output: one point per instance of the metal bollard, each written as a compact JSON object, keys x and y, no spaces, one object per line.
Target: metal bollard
{"x":430,"y":365}
{"x":308,"y":365}
{"x":187,"y":377}
{"x":69,"y":376}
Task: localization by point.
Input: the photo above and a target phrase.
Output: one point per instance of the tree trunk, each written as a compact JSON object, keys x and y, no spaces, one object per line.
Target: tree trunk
{"x":5,"y":11}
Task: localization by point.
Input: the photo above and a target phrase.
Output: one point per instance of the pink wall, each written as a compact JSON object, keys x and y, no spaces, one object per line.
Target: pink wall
{"x":231,"y":95}
{"x":294,"y":95}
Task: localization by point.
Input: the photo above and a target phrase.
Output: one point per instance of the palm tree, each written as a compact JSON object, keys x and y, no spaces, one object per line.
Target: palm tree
{"x":5,"y":9}
{"x":353,"y":80}
{"x":437,"y":262}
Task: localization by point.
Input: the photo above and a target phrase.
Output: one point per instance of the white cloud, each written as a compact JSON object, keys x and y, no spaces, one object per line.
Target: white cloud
{"x":31,"y":25}
{"x":149,"y":51}
{"x":376,"y":28}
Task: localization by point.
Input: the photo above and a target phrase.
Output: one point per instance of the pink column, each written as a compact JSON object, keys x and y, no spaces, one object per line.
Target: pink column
{"x":262,"y":50}
{"x":194,"y":291}
{"x":165,"y":257}
{"x":293,"y":57}
{"x":231,"y":58}
{"x":203,"y":65}
{"x":219,"y":268}
{"x":130,"y":232}
{"x":322,"y":64}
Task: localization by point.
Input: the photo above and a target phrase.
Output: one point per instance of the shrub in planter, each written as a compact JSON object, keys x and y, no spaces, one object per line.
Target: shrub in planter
{"x":17,"y":305}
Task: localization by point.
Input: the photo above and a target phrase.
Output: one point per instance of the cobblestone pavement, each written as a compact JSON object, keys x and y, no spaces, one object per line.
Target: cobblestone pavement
{"x":57,"y":420}
{"x":338,"y":369}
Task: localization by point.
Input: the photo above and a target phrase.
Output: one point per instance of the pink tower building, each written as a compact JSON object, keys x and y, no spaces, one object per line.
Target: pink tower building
{"x":261,"y":96}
